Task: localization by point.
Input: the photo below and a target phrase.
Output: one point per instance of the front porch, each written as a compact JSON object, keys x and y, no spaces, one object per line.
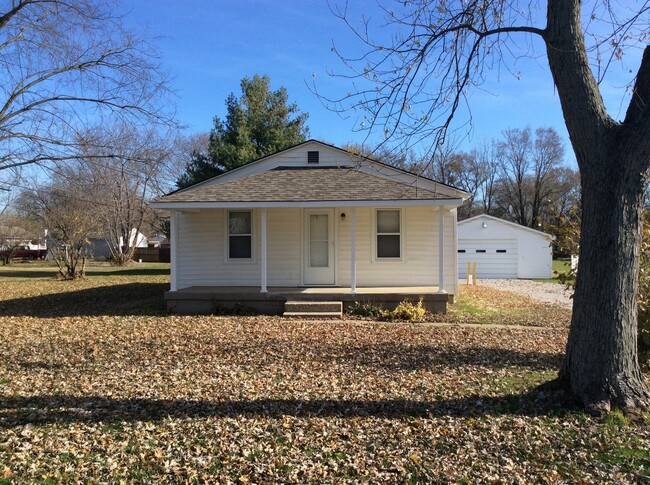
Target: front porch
{"x":211,"y":299}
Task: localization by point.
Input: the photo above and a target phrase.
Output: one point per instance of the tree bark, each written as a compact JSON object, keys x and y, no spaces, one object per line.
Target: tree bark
{"x":601,"y":365}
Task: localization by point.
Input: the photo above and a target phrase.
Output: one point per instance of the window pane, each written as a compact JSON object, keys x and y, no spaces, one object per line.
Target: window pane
{"x":387,"y":221}
{"x":387,"y":246}
{"x":239,"y":223}
{"x":318,"y":254}
{"x":318,"y":227}
{"x":240,"y":247}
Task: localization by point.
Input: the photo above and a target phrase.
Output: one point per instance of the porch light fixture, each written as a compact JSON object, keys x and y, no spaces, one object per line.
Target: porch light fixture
{"x":342,"y":216}
{"x":484,"y":225}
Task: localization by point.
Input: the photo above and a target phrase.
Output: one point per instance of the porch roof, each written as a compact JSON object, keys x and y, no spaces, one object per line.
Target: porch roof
{"x":303,"y":186}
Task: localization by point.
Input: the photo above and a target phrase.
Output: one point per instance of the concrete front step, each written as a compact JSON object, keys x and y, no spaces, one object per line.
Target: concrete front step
{"x":313,"y":309}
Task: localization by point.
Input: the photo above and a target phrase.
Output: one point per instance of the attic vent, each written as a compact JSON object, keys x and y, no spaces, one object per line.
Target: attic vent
{"x":312,"y":157}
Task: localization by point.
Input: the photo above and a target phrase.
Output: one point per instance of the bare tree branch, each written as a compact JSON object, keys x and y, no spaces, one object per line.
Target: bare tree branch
{"x":65,"y":66}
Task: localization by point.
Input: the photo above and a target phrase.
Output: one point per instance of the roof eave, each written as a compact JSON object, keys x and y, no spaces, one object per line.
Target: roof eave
{"x":171,"y":205}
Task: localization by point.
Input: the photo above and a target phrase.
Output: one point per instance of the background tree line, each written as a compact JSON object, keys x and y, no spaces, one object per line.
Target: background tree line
{"x":521,"y":177}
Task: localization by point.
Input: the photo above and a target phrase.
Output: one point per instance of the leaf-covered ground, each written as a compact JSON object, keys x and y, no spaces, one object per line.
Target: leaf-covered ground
{"x":97,"y":383}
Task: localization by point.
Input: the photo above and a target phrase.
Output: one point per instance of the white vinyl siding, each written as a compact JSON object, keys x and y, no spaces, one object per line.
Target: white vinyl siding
{"x":493,"y":258}
{"x":202,"y":259}
{"x":528,"y":252}
{"x":203,"y":250}
{"x":419,"y":263}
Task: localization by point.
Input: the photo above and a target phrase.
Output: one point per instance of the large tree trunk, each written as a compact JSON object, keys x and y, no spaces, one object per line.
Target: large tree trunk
{"x":601,"y":366}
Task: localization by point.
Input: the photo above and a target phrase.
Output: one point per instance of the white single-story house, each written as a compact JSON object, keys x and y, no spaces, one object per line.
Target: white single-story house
{"x":503,"y":249}
{"x":312,"y":222}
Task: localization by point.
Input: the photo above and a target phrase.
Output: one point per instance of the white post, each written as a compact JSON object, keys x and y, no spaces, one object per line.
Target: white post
{"x":263,"y":285}
{"x":353,"y":250}
{"x":173,"y":251}
{"x":441,"y":250}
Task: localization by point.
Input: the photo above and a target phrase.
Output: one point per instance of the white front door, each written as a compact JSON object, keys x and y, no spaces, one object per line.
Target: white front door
{"x":319,"y":247}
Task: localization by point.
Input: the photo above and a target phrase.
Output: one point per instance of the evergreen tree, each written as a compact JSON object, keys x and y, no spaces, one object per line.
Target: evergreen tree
{"x":257,"y":124}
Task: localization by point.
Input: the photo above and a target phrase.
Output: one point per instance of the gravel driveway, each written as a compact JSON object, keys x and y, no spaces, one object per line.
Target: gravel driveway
{"x":553,"y":293}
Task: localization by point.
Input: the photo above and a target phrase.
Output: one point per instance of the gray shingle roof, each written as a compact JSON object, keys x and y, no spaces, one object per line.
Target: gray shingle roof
{"x":298,"y":184}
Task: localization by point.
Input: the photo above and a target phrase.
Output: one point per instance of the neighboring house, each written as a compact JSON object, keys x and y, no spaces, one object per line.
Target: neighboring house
{"x":136,"y":239}
{"x":313,"y":222}
{"x":503,"y":249}
{"x":101,"y":250}
{"x":156,"y":241}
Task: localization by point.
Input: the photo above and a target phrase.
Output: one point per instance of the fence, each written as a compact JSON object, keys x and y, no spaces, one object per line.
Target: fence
{"x":152,"y":255}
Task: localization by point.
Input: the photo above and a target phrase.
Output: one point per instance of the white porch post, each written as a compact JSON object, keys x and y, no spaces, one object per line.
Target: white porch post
{"x":263,"y":284}
{"x":441,"y":250}
{"x":173,"y":253}
{"x":353,"y":250}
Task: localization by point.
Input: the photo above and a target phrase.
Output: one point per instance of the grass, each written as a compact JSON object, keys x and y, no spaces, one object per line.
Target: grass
{"x":477,"y":304}
{"x":32,"y":289}
{"x":561,"y":266}
{"x":110,"y":391}
{"x":28,"y":270}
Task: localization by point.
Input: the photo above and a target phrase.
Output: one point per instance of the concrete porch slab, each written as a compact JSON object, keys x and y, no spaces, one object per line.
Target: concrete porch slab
{"x":212,"y":299}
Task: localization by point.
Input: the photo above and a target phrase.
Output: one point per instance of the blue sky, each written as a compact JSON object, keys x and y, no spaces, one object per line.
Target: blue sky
{"x":208,"y":46}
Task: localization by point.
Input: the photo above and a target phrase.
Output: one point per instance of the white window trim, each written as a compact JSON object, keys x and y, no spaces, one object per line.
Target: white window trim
{"x":227,"y":259}
{"x":402,"y":257}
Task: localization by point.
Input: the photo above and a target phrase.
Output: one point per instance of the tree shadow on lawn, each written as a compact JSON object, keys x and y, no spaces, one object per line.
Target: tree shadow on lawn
{"x":399,"y":357}
{"x":129,"y":271}
{"x":111,"y":300}
{"x":62,"y":409}
{"x":50,"y":272}
{"x":29,"y":274}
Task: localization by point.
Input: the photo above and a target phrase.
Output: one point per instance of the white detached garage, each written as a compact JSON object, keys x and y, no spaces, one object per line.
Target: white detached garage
{"x":503,"y":249}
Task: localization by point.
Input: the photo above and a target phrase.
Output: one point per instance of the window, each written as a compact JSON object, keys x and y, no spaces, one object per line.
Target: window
{"x":461,"y":250}
{"x":480,"y":250}
{"x":388,"y":234}
{"x":501,"y":251}
{"x":240,"y":235}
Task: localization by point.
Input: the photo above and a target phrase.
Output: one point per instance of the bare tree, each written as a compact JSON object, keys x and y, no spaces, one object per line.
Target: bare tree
{"x":514,"y":165}
{"x":528,"y":169}
{"x":435,"y":53}
{"x":457,"y":168}
{"x":65,"y":64}
{"x":446,"y":164}
{"x":64,"y":211}
{"x":472,"y":179}
{"x":123,"y":178}
{"x":548,"y":157}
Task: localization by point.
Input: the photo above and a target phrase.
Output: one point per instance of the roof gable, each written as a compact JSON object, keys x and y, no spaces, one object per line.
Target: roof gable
{"x":514,"y":225}
{"x":292,"y":176}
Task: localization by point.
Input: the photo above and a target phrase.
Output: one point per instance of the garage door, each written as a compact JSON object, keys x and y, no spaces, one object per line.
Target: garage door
{"x":495,"y":258}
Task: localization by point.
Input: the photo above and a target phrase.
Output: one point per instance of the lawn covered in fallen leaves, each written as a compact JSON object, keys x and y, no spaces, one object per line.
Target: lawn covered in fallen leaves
{"x":98,"y":383}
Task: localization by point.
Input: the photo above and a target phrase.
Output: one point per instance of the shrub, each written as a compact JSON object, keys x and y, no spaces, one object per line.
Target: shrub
{"x":411,"y":312}
{"x":406,"y":311}
{"x":367,"y":310}
{"x":241,"y":310}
